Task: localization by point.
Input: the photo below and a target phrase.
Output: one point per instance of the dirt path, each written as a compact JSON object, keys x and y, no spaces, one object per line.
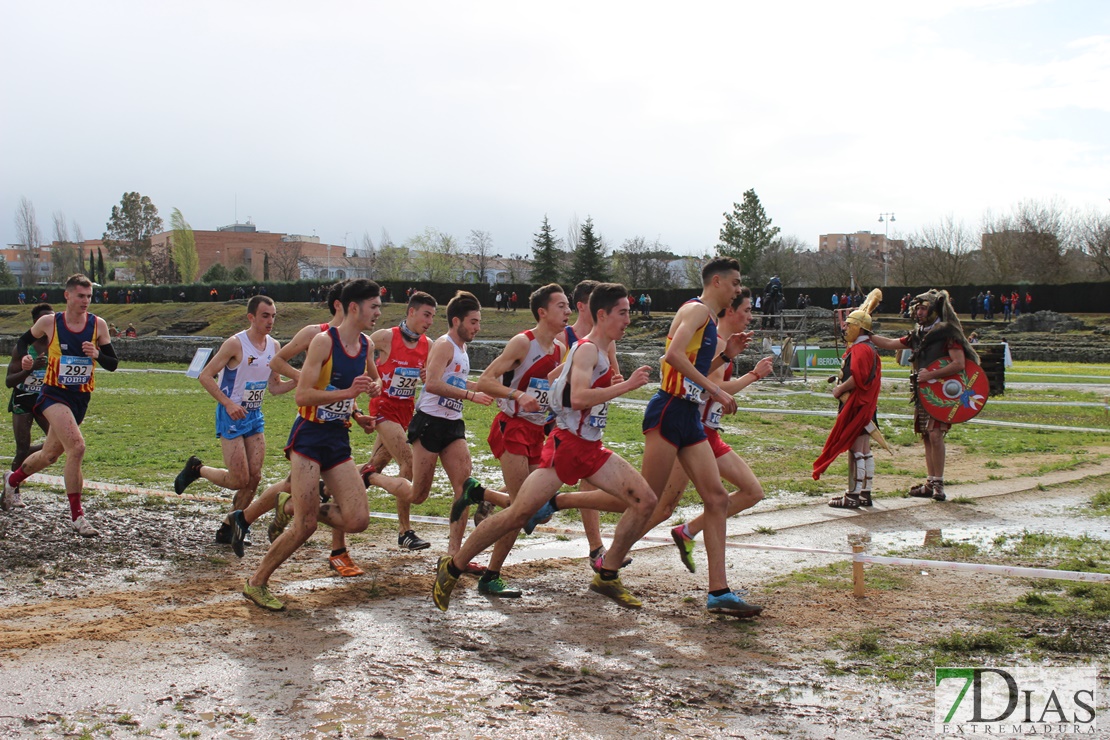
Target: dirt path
{"x":144,"y":632}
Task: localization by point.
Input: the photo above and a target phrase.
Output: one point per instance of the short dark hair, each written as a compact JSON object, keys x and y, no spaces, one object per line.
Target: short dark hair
{"x":334,"y":292}
{"x":41,"y":310}
{"x":541,"y":297}
{"x":582,"y":292}
{"x":460,"y":305}
{"x":744,"y":295}
{"x":357,"y":291}
{"x":420,"y":298}
{"x":74,"y":280}
{"x":716,"y":266}
{"x":604,"y":296}
{"x":252,"y":304}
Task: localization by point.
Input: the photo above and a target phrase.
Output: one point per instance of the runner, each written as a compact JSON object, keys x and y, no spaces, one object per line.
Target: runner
{"x":580,"y":398}
{"x":337,"y":369}
{"x":238,"y":377}
{"x":67,"y":386}
{"x":401,"y":356}
{"x":25,"y":375}
{"x":437,"y":431}
{"x":517,"y":378}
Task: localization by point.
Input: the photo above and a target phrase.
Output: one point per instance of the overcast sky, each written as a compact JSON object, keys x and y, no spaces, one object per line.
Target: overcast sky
{"x":345,"y":118}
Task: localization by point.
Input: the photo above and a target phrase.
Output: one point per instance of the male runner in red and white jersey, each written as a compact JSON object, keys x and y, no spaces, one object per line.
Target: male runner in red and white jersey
{"x":517,"y":378}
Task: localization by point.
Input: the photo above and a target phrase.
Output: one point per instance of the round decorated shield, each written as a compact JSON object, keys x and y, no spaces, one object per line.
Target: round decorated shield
{"x":957,"y":397}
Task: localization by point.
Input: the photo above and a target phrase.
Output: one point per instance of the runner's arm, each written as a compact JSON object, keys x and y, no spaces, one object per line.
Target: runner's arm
{"x":275,"y":385}
{"x":16,"y":373}
{"x":228,"y":352}
{"x":695,"y":315}
{"x":298,"y":344}
{"x":383,"y":346}
{"x":105,"y":352}
{"x":490,"y":380}
{"x":307,"y":393}
{"x":582,"y":396}
{"x":440,"y":354}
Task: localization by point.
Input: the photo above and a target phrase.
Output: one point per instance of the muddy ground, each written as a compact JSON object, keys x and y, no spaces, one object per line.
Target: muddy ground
{"x":144,"y":632}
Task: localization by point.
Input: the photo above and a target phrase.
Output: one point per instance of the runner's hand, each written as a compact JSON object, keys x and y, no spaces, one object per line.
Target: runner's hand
{"x":764,"y":367}
{"x":738,"y":342}
{"x":617,"y":379}
{"x":90,"y":350}
{"x":361,"y":384}
{"x":27,"y":362}
{"x":728,"y":403}
{"x":640,"y":377}
{"x":527,"y":402}
{"x":366,"y":421}
{"x":235,"y":411}
{"x":375,"y":388}
{"x":482,"y":398}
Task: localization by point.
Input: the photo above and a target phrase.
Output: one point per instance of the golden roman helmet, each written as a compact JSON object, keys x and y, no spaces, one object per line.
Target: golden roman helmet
{"x":860,"y":319}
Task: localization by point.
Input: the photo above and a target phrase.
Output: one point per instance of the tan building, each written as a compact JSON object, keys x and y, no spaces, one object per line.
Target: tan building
{"x":291,"y":256}
{"x":861,"y":240}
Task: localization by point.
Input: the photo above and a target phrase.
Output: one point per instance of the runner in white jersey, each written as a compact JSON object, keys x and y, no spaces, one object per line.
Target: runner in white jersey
{"x":580,"y":398}
{"x":437,"y":431}
{"x":238,"y":377}
{"x":518,"y":379}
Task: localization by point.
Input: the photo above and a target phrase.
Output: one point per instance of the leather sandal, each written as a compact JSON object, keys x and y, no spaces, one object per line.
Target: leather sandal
{"x":925,"y":490}
{"x":847,"y":501}
{"x":865,"y":498}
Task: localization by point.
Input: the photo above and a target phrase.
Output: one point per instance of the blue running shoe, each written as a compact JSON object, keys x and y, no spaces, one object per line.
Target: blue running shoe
{"x":732,"y":605}
{"x":540,"y":517}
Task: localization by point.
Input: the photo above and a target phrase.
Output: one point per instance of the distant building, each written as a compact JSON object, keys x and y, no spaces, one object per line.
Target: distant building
{"x":861,"y":240}
{"x":291,"y":256}
{"x":16,"y":256}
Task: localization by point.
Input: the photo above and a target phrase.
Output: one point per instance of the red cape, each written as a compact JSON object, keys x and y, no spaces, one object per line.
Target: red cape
{"x":867,"y":369}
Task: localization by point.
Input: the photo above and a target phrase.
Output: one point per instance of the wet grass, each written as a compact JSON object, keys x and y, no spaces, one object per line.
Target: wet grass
{"x":839,"y":576}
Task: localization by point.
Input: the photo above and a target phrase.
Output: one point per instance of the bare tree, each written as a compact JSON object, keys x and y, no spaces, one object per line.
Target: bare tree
{"x":944,"y":251}
{"x":1029,"y":243}
{"x":30,"y":240}
{"x":783,"y":258}
{"x":286,"y":260}
{"x":66,"y":257}
{"x":362,"y":260}
{"x":1094,"y":240}
{"x":435,"y":256}
{"x":639,"y":263}
{"x":479,"y":255}
{"x":691,"y":269}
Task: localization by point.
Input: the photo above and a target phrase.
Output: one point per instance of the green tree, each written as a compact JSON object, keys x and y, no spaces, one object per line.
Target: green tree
{"x":129,"y":230}
{"x":217,"y":273}
{"x":265,"y":265}
{"x":7,"y":279}
{"x":545,"y":255}
{"x":589,"y":261}
{"x":240,"y":274}
{"x":92,"y":266}
{"x":184,"y":247}
{"x":100,"y":265}
{"x":747,"y":232}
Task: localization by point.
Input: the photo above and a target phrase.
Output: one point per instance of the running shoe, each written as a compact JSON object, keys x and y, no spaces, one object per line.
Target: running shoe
{"x":261,"y":595}
{"x":471,"y":494}
{"x":281,"y":519}
{"x":16,"y":499}
{"x":188,"y":474}
{"x":595,"y":562}
{"x":239,"y":531}
{"x":685,"y":547}
{"x":616,"y":591}
{"x":497,"y":587}
{"x":731,"y":604}
{"x":10,"y":495}
{"x":225,"y":534}
{"x":344,"y":566}
{"x":82,"y":527}
{"x":483,"y":512}
{"x":409,"y":541}
{"x":540,"y":517}
{"x":366,"y":471}
{"x":444,"y":585}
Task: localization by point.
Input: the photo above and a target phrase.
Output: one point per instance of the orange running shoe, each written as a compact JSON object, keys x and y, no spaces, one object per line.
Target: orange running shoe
{"x":344,"y":566}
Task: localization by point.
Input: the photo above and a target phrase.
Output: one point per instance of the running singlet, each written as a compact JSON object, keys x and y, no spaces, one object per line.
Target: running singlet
{"x":454,"y":375}
{"x":401,"y":372}
{"x":337,"y":373}
{"x":700,"y":351}
{"x":32,"y":384}
{"x":589,"y":424}
{"x":531,"y":377}
{"x":711,"y":410}
{"x":246,"y":384}
{"x":67,"y":366}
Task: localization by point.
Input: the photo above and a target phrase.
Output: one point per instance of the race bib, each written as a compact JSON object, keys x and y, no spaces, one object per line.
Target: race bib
{"x":404,"y":382}
{"x":253,"y":393}
{"x":33,"y":382}
{"x":74,"y":370}
{"x":713,"y":415}
{"x":599,"y":415}
{"x":691,"y":391}
{"x":540,"y":389}
{"x":337,"y":410}
{"x":454,"y":404}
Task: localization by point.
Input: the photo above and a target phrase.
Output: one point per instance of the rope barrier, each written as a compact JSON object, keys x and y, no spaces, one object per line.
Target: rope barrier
{"x":1003,"y":570}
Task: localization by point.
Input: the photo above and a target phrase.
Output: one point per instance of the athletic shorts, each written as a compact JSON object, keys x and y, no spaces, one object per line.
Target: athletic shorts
{"x":77,"y":401}
{"x":383,"y":408}
{"x":678,"y":420}
{"x":517,"y":437}
{"x":328,"y":443}
{"x":22,"y":403}
{"x":435,"y":433}
{"x":923,"y":422}
{"x":572,"y":457}
{"x":720,"y":447}
{"x":228,"y":428}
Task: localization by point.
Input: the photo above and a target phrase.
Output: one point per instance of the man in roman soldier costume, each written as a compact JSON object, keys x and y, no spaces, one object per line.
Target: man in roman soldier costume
{"x":860,"y":379}
{"x":937,"y":336}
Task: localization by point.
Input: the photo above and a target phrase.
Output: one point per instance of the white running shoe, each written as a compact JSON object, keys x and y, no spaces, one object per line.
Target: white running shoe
{"x":10,"y":494}
{"x":82,"y":527}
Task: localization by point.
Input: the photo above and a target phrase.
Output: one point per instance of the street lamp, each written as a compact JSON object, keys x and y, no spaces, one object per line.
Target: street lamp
{"x":886,"y":230}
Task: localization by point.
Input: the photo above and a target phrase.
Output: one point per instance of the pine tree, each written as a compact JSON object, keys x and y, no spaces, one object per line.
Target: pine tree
{"x":589,"y":261}
{"x":92,"y":267}
{"x":747,"y":232}
{"x":100,"y":265}
{"x":545,"y":256}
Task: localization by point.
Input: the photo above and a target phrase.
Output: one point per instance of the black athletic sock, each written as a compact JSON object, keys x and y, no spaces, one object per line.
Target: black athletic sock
{"x":595,"y":553}
{"x":609,"y":575}
{"x":720,"y":592}
{"x":455,"y":572}
{"x":489,"y":576}
{"x":337,"y":553}
{"x":555,"y":502}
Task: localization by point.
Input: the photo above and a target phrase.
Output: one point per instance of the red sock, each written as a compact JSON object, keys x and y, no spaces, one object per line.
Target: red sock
{"x":18,"y":477}
{"x":75,"y":509}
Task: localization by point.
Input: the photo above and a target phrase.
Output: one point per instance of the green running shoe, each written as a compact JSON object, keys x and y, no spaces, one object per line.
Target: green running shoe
{"x":261,"y":595}
{"x":616,"y":591}
{"x":685,"y":547}
{"x":444,"y":585}
{"x":471,"y":494}
{"x":281,"y":519}
{"x":497,"y":587}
